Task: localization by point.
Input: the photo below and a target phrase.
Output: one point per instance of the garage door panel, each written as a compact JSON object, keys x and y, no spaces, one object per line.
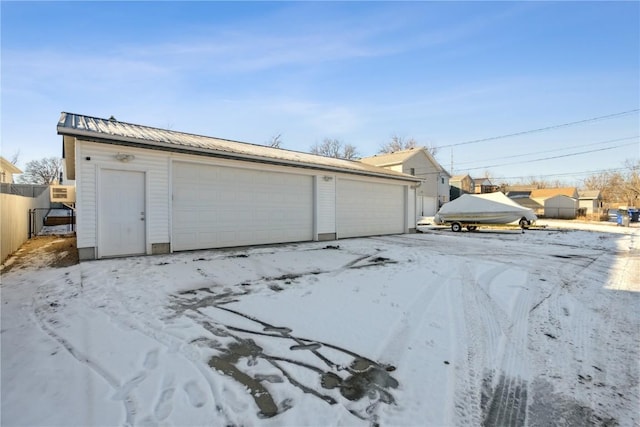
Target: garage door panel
{"x":215,"y":206}
{"x":366,"y":208}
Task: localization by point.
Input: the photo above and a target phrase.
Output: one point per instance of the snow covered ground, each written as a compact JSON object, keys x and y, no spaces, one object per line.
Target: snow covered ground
{"x":439,"y":328}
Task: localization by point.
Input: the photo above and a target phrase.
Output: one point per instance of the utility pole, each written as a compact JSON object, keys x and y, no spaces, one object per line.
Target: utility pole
{"x":451,"y":161}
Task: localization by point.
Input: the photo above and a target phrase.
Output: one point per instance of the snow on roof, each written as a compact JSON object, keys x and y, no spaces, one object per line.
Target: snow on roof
{"x":149,"y":137}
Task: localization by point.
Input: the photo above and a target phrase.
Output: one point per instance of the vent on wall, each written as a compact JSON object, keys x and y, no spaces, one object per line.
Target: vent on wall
{"x":63,"y":193}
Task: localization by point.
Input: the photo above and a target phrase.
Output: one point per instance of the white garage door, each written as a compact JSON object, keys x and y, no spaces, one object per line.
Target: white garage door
{"x":215,"y":206}
{"x":367,"y":209}
{"x":426,"y":206}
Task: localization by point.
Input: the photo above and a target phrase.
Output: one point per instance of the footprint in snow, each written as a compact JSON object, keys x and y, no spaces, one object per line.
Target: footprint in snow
{"x":196,"y":396}
{"x":151,"y":359}
{"x":164,"y":406}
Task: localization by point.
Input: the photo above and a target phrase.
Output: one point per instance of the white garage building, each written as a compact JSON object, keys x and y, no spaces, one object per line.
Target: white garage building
{"x":144,"y":190}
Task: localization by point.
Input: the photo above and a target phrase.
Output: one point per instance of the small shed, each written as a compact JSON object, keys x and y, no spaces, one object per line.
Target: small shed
{"x":145,"y":190}
{"x":590,"y":201}
{"x":561,"y":207}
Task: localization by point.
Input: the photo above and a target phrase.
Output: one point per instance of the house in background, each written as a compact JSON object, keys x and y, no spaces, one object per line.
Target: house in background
{"x":521,"y":194}
{"x":590,"y":201}
{"x":433,"y":191}
{"x":144,"y":190}
{"x":519,"y":191}
{"x":7,"y":170}
{"x":528,"y":202}
{"x":558,"y":202}
{"x":461,"y":184}
{"x":484,"y":185}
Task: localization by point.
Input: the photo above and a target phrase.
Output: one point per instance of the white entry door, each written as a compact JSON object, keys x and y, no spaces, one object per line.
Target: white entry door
{"x":121,"y":213}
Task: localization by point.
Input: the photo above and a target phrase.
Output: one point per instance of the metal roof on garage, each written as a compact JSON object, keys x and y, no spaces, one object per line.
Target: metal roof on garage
{"x":112,"y":131}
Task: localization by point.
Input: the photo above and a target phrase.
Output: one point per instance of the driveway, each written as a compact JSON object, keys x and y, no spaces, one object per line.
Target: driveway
{"x":440,"y":328}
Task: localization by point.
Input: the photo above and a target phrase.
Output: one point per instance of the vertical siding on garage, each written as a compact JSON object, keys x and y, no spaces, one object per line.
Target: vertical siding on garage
{"x":326,"y":199}
{"x":411,"y":208}
{"x":155,"y":164}
{"x":85,"y":198}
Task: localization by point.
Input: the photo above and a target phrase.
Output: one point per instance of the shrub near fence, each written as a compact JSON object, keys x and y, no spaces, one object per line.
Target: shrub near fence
{"x":14,"y":220}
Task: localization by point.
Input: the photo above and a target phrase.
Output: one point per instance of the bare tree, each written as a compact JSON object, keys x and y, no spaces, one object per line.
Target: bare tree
{"x":399,"y":143}
{"x":45,"y":171}
{"x":275,"y":141}
{"x":332,"y":147}
{"x":15,"y":157}
{"x":617,"y":187}
{"x":632,"y":187}
{"x":537,"y":183}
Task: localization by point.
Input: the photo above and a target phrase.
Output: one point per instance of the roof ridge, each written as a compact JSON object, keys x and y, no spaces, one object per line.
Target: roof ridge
{"x":135,"y":134}
{"x":200,"y":135}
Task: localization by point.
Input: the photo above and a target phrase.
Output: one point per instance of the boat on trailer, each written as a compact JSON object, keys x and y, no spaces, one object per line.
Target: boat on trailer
{"x":472,"y":210}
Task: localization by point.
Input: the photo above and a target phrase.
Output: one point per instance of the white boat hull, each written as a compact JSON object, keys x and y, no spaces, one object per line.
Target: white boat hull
{"x":492,"y":208}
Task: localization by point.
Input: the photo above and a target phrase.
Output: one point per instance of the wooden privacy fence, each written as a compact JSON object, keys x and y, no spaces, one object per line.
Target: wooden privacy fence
{"x":15,"y":219}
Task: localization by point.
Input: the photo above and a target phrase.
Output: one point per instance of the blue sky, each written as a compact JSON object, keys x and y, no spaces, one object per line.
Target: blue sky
{"x":442,"y":73}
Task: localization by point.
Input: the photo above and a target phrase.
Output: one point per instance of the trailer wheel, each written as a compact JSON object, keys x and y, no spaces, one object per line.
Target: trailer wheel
{"x":524,"y":223}
{"x":472,"y":227}
{"x":456,"y":226}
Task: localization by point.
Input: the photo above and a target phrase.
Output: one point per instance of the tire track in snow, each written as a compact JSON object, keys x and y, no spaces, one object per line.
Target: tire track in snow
{"x":128,"y":319}
{"x":584,"y":336}
{"x":508,"y":403}
{"x":479,"y":327}
{"x":484,"y":331}
{"x":492,"y":332}
{"x":463,"y":341}
{"x":410,"y":323}
{"x":130,"y":405}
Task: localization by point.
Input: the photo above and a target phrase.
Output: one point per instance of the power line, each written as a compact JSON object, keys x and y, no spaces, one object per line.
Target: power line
{"x":591,"y":172}
{"x":553,"y":157}
{"x":548,"y":151}
{"x":593,"y":119}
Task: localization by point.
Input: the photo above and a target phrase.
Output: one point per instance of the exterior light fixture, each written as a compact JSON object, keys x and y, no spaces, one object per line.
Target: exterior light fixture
{"x":122,"y":157}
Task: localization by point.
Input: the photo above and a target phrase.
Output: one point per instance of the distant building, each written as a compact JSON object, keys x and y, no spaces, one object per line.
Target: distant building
{"x":460,"y":184}
{"x":558,"y":202}
{"x":433,"y":191}
{"x":7,"y":170}
{"x":484,"y":185}
{"x":590,"y":201}
{"x":519,"y":191}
